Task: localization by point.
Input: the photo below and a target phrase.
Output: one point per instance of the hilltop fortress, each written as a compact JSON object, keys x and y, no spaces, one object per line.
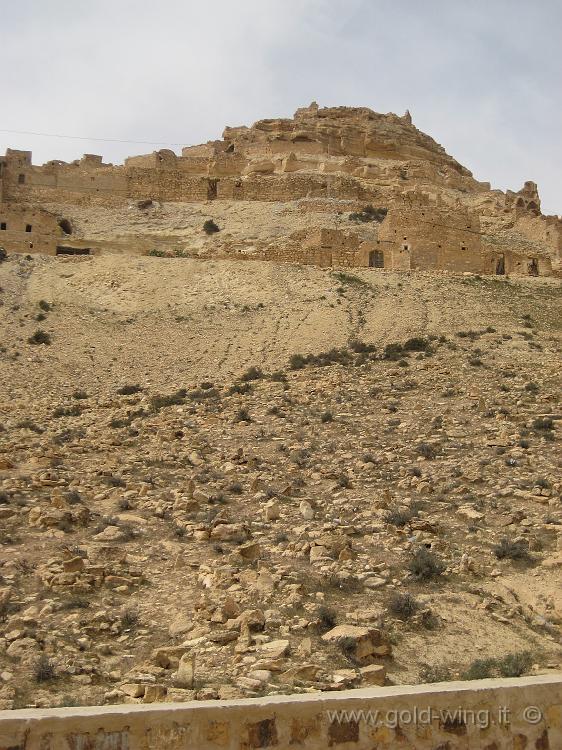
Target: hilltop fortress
{"x":335,"y":186}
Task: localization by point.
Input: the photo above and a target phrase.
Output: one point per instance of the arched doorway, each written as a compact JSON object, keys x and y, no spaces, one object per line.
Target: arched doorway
{"x":500,"y":266}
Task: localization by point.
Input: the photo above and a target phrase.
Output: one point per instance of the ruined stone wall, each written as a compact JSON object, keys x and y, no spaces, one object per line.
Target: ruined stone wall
{"x":510,"y":714}
{"x":544,"y":229}
{"x":435,"y":238}
{"x":55,"y":182}
{"x":28,"y":230}
{"x":166,"y":185}
{"x":290,"y":187}
{"x":513,"y":263}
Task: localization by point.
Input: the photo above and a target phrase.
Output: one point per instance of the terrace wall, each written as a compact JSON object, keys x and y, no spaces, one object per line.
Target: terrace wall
{"x":511,"y":714}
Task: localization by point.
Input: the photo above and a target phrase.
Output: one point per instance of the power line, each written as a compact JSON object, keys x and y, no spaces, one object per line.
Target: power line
{"x":88,"y":138}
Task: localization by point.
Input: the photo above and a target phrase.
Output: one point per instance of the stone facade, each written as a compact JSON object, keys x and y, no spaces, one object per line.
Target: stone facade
{"x":510,"y":714}
{"x":24,"y":229}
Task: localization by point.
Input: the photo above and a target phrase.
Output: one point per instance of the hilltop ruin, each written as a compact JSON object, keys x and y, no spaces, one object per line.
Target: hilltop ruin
{"x":365,"y":189}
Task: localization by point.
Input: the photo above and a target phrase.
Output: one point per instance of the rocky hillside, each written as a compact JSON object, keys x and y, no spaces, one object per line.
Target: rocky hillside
{"x":222,"y":479}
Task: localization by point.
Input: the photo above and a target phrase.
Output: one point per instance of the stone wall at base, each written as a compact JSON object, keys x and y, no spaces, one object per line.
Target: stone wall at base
{"x":510,"y":714}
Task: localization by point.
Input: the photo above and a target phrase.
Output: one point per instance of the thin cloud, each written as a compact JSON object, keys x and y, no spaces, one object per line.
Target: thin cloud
{"x":481,"y":78}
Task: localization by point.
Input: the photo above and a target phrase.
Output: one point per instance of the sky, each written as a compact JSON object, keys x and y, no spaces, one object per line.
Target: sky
{"x":484,"y":78}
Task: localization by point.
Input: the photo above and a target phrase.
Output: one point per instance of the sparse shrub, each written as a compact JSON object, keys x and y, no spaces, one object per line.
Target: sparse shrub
{"x":425,"y":565}
{"x":129,"y":390}
{"x":392,"y":351}
{"x":40,"y":317}
{"x":348,"y":646}
{"x":156,"y":253}
{"x":327,"y":416}
{"x":400,"y":516}
{"x":360,"y":347}
{"x":39,"y":337}
{"x":242,"y":388}
{"x":129,"y":619}
{"x":279,"y":376}
{"x":542,"y":424}
{"x":242,"y":415}
{"x":252,"y":373}
{"x":435,"y":673}
{"x":79,"y":395}
{"x":417,"y":344}
{"x":350,"y":279}
{"x":475,"y":362}
{"x":426,"y":450}
{"x":115,"y":481}
{"x":73,"y":497}
{"x":236,"y":488}
{"x":512,"y":550}
{"x":515,"y":664}
{"x":28,"y":424}
{"x":472,"y":335}
{"x":480,"y":669}
{"x":173,"y":399}
{"x":69,"y":701}
{"x":67,"y":411}
{"x":297,"y":362}
{"x":327,"y":618}
{"x":45,"y":306}
{"x":403,"y":606}
{"x":511,"y":665}
{"x":531,"y":387}
{"x":344,"y":481}
{"x":368,"y":213}
{"x":210,"y":227}
{"x":44,"y":669}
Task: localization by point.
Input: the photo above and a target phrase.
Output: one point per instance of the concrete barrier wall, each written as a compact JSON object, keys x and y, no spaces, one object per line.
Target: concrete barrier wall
{"x":514,"y":714}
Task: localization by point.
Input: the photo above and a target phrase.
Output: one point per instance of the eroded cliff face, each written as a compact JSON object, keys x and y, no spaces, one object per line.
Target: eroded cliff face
{"x":341,"y":131}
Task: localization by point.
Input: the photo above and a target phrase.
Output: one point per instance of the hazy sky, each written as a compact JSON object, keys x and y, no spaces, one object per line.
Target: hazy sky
{"x":484,"y":77}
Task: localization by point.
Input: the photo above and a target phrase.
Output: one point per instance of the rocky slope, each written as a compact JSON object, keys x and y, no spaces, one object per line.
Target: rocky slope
{"x":189,"y":509}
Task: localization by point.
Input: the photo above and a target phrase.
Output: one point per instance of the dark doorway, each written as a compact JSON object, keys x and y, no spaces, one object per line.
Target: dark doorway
{"x":376,"y":259}
{"x":212,"y":189}
{"x":533,"y":267}
{"x":66,"y":226}
{"x":500,"y":266}
{"x":62,"y":250}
